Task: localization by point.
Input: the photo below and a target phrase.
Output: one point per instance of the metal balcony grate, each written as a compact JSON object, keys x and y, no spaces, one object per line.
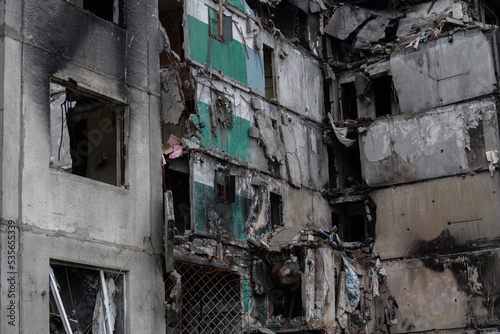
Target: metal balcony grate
{"x":210,"y":300}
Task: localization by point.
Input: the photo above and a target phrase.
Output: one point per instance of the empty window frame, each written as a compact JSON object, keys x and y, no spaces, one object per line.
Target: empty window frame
{"x":276,"y":210}
{"x":178,"y":183}
{"x":382,"y":90}
{"x":86,"y":300}
{"x":109,"y":10}
{"x":87,"y":134}
{"x":355,"y":221}
{"x":224,"y":187}
{"x":221,"y":32}
{"x":269,"y":72}
{"x":349,"y":101}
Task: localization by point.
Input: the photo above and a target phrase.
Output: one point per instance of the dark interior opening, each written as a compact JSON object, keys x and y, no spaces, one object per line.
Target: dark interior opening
{"x":348,"y":162}
{"x":355,"y":228}
{"x":225,"y":187}
{"x":171,"y":14}
{"x":349,"y":101}
{"x":268,"y":71}
{"x":87,"y":135}
{"x":178,"y":183}
{"x":286,"y":301}
{"x":332,"y":170}
{"x":382,"y":89}
{"x":276,"y":210}
{"x":101,"y":8}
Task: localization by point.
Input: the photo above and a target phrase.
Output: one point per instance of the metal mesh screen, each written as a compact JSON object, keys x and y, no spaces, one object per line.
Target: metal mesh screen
{"x":210,"y":300}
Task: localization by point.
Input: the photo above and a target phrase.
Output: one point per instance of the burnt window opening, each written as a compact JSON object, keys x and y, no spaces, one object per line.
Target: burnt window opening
{"x":269,"y":72}
{"x":210,"y":300}
{"x":489,"y":13}
{"x":171,"y":14}
{"x":221,"y":32}
{"x":109,"y":10}
{"x":349,"y":101}
{"x":178,"y":183}
{"x":87,"y":135}
{"x":292,"y":22}
{"x":345,"y":166}
{"x":86,"y":300}
{"x":355,"y":221}
{"x":382,"y":90}
{"x":276,"y":210}
{"x":224,"y":188}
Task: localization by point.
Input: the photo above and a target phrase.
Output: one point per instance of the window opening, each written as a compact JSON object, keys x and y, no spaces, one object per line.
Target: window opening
{"x":171,"y":14}
{"x":332,"y":170}
{"x":214,"y":26}
{"x":87,"y":135}
{"x":178,"y":183}
{"x":268,"y":71}
{"x":355,"y":221}
{"x":490,"y":16}
{"x":109,"y":10}
{"x":77,"y":300}
{"x":210,"y":300}
{"x":382,"y":89}
{"x":276,"y":210}
{"x":286,"y":297}
{"x":224,"y":187}
{"x":349,"y":101}
{"x":355,"y":228}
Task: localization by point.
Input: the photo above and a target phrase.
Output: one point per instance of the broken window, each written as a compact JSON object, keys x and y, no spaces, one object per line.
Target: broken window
{"x":210,"y":300}
{"x":355,"y":221}
{"x":86,"y":300}
{"x":276,"y":210}
{"x":221,"y":32}
{"x":269,"y":71}
{"x":87,"y":134}
{"x":224,"y":187}
{"x":109,"y":10}
{"x":349,"y":101}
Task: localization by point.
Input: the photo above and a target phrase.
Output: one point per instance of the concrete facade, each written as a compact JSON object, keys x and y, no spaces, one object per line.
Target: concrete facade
{"x":258,"y":166}
{"x":51,"y":216}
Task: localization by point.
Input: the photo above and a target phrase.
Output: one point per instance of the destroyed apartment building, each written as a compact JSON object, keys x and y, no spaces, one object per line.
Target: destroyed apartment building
{"x":258,"y":166}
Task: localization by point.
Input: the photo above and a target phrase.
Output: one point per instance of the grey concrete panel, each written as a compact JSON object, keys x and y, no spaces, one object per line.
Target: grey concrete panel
{"x":442,"y":72}
{"x":345,"y":20}
{"x":452,"y":214}
{"x":433,"y":144}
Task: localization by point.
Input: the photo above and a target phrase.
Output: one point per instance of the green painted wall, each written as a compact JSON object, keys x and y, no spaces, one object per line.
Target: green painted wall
{"x":233,"y":140}
{"x":219,"y":218}
{"x":229,"y":57}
